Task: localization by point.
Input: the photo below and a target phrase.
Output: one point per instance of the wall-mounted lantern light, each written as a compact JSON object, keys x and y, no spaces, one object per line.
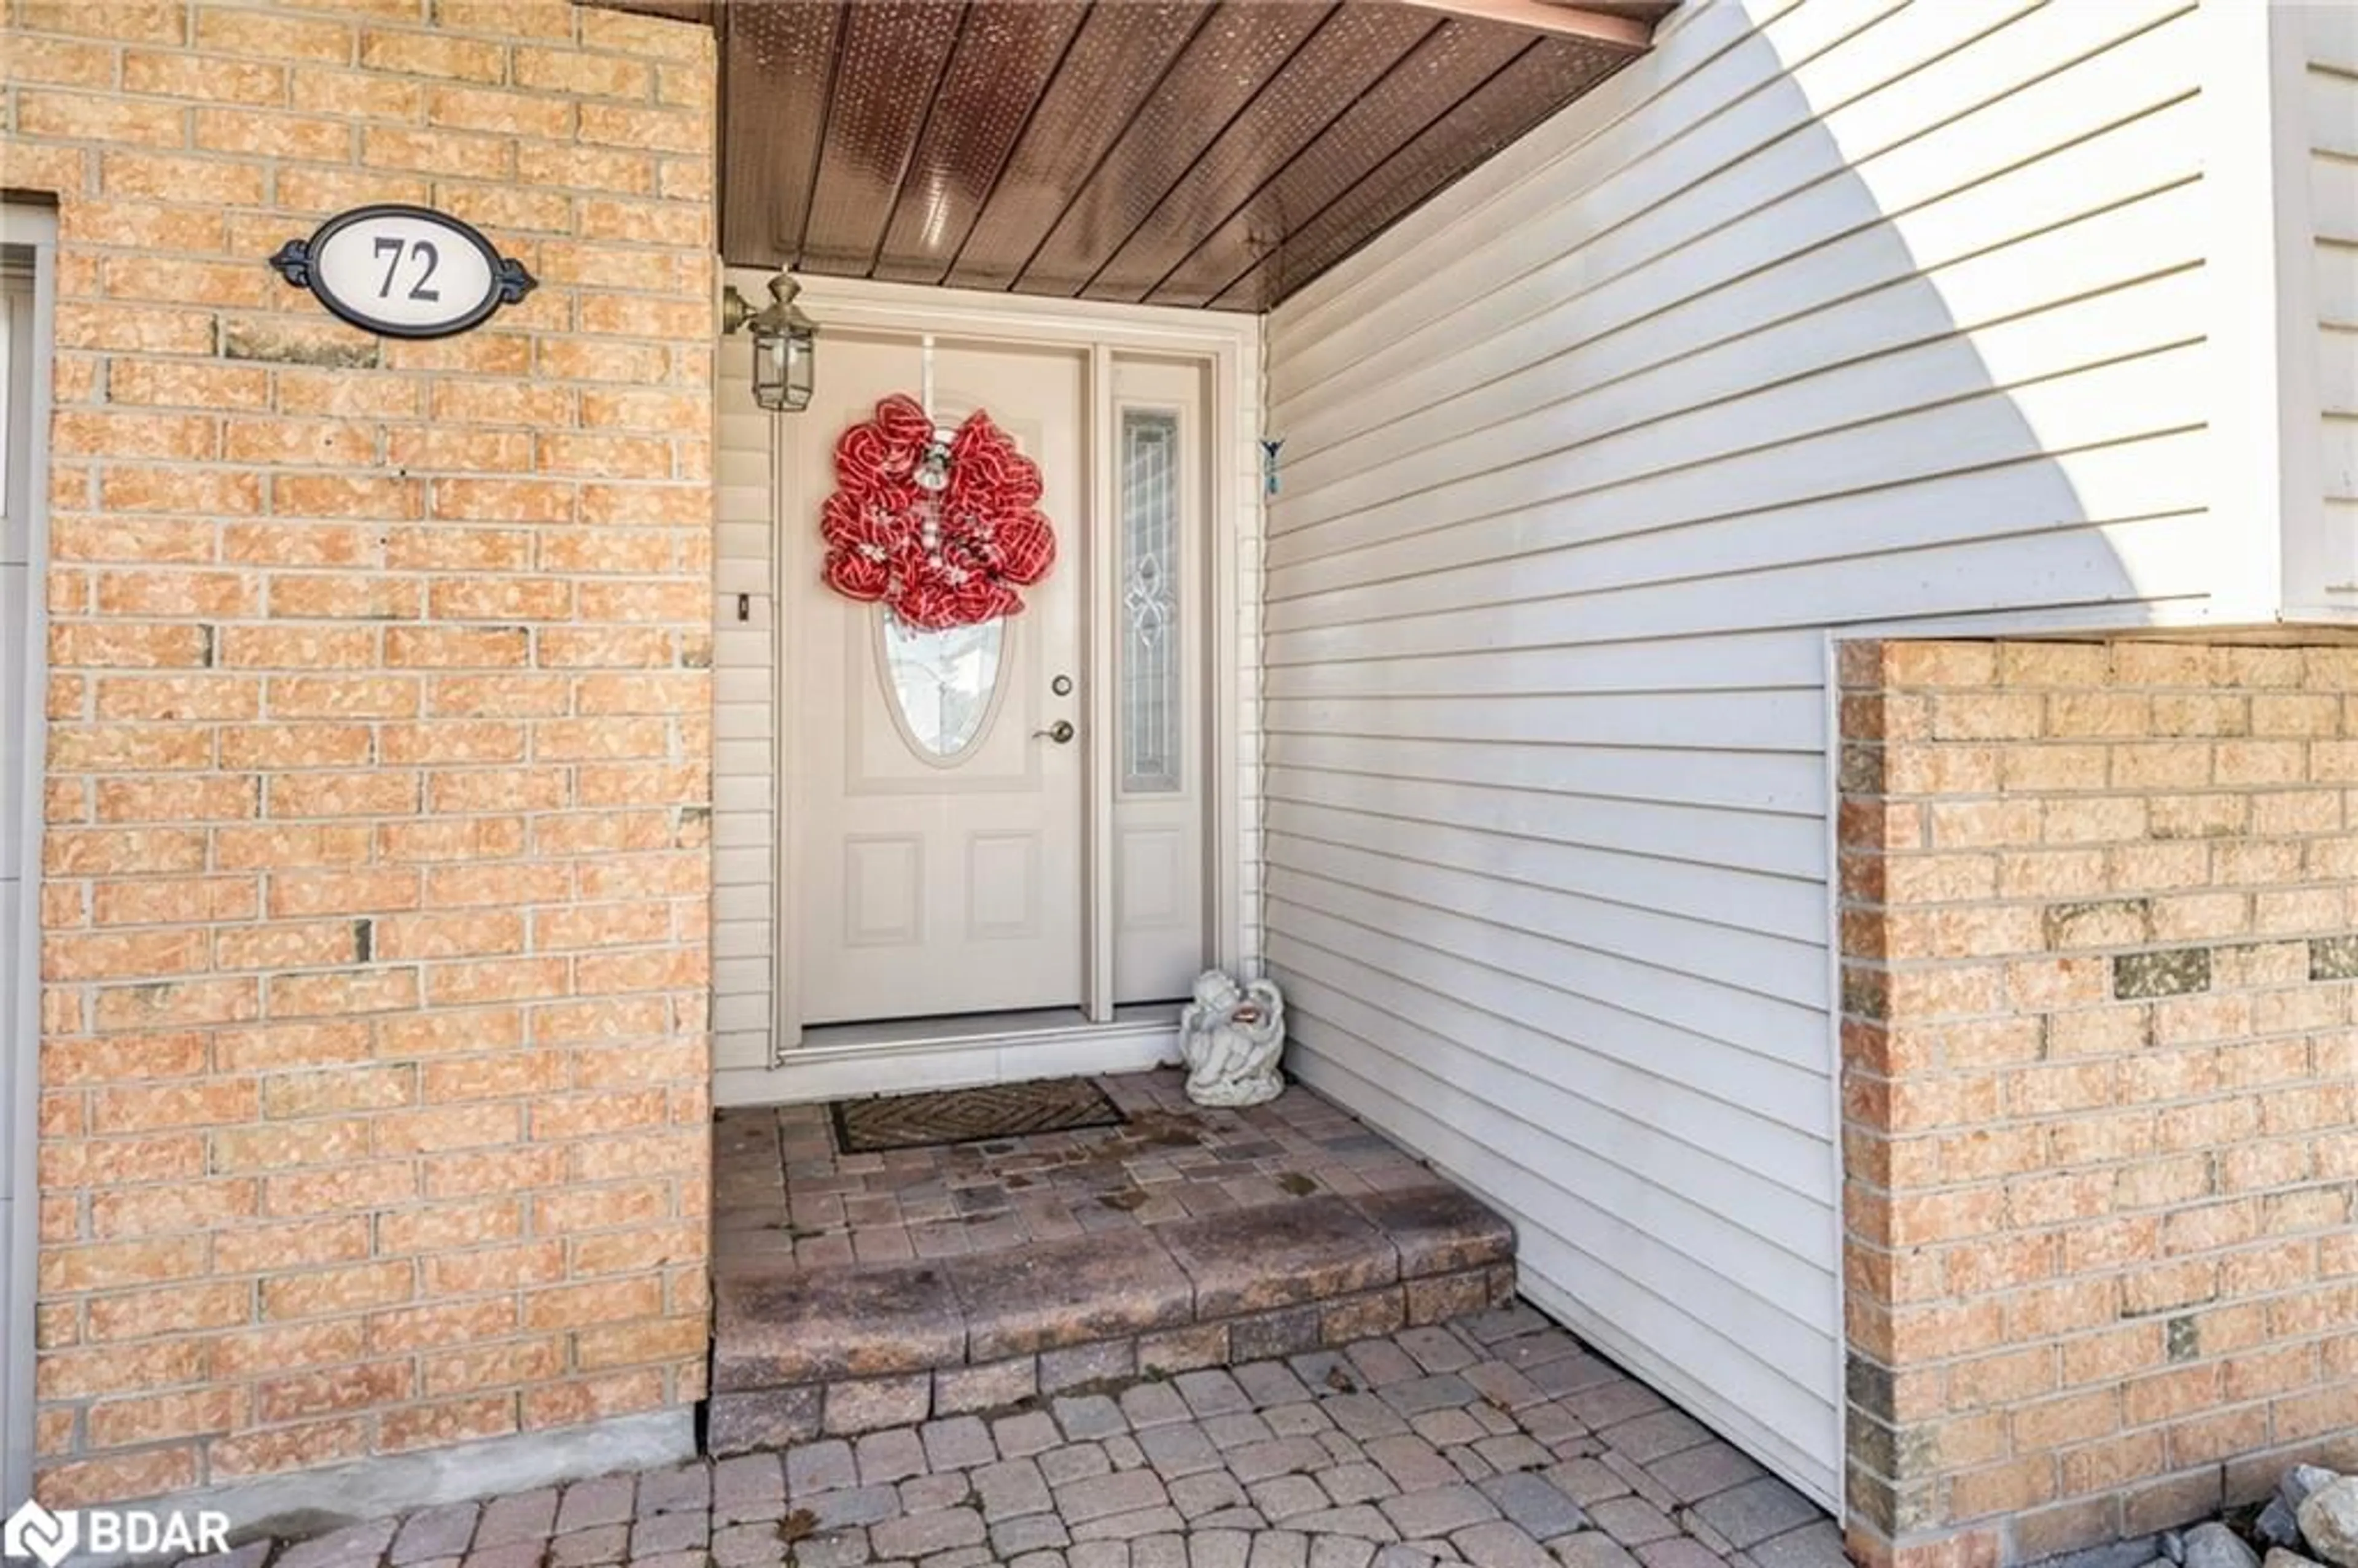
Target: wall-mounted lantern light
{"x":784,"y":344}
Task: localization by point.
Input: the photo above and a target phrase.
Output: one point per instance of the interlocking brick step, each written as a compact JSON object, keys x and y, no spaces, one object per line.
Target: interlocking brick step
{"x":853,"y":1347}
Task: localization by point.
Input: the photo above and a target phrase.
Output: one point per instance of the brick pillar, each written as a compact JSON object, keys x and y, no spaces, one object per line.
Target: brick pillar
{"x":2097,"y":1086}
{"x":375,"y":1112}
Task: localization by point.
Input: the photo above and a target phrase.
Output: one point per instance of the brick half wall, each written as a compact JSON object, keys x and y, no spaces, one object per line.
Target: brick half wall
{"x":2097,"y":1085}
{"x":373,"y":1056}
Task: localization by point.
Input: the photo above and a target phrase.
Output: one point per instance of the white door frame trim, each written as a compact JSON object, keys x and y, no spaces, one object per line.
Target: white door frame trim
{"x":1100,"y":552}
{"x":1227,"y":345}
{"x":35,"y":229}
{"x":957,"y":1057}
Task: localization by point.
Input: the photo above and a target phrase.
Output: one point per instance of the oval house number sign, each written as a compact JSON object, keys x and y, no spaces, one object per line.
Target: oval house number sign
{"x":402,"y":271}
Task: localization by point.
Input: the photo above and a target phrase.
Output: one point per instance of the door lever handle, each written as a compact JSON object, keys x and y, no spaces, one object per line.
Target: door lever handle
{"x":1061,"y":733}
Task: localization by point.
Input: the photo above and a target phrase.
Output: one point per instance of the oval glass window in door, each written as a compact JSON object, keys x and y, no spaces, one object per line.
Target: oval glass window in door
{"x":944,"y":684}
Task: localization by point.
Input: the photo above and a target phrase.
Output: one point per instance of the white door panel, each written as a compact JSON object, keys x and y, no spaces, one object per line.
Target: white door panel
{"x":941,"y":856}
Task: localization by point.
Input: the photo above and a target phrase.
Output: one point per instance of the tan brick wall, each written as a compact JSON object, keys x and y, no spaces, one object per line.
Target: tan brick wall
{"x":2098,"y":1085}
{"x":375,"y":1041}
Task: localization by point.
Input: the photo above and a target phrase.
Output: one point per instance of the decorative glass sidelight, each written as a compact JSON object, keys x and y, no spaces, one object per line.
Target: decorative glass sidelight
{"x":1153,"y":723}
{"x":942,"y":682}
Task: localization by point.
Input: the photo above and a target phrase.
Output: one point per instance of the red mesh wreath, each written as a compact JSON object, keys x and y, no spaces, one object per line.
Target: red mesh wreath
{"x":952,"y":556}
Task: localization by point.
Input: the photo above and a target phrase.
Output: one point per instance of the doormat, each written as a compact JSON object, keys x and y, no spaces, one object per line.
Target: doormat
{"x":968,"y":1115}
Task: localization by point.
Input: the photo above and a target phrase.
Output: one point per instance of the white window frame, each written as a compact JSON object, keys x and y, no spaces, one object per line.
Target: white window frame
{"x":27,"y":244}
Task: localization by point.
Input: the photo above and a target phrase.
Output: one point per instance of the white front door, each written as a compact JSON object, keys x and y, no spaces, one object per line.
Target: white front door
{"x":939,"y":860}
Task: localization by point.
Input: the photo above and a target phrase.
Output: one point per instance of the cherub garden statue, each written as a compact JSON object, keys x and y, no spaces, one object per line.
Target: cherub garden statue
{"x":1232,"y":1039}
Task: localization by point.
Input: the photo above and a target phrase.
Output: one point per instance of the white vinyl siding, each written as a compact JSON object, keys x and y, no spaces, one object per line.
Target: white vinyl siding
{"x":2331,"y":115}
{"x":744,"y":759}
{"x":1820,"y":313}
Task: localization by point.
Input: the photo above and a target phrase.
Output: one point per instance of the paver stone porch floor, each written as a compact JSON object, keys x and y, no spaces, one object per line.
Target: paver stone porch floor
{"x":858,"y":1292}
{"x":1495,"y":1440}
{"x":782,"y":1191}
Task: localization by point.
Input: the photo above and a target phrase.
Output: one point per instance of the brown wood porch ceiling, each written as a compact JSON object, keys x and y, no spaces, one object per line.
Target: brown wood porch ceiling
{"x":1216,"y":153}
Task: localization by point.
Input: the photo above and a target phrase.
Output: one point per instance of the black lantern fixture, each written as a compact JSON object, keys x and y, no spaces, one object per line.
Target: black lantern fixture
{"x":784,"y":344}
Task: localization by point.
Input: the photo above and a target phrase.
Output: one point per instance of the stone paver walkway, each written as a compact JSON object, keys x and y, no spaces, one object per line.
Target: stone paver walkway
{"x":1496,"y":1440}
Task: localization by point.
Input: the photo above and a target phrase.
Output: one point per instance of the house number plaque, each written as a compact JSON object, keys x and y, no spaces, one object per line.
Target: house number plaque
{"x":404,"y":272}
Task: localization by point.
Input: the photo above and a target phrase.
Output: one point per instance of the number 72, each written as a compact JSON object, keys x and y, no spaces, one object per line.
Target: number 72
{"x":422,"y":251}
